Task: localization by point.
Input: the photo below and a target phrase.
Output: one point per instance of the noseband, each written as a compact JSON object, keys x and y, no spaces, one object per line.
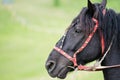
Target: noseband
{"x":74,"y":59}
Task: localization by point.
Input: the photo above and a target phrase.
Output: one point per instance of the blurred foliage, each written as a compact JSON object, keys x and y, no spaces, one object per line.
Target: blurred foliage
{"x":56,"y":2}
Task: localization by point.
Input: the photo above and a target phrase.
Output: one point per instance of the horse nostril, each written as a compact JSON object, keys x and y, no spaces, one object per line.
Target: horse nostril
{"x":50,"y":65}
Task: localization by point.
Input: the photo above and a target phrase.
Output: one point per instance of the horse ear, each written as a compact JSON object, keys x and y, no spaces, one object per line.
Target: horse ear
{"x":103,"y":4}
{"x":91,"y":8}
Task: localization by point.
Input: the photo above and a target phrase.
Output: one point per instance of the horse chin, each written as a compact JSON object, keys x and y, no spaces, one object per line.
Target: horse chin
{"x":62,"y":73}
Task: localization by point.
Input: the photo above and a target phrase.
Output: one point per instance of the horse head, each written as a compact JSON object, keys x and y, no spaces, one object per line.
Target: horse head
{"x":75,"y":37}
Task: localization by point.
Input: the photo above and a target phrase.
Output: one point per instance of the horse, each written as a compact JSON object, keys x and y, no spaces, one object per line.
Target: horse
{"x":93,"y":35}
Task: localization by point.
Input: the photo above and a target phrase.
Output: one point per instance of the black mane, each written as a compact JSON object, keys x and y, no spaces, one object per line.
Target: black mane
{"x":118,"y":35}
{"x":111,"y":26}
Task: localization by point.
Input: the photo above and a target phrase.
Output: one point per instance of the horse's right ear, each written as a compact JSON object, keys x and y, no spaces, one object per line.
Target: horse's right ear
{"x":91,"y":8}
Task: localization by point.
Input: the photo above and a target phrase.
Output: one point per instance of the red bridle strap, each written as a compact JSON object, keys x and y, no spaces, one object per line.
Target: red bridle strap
{"x":87,"y":40}
{"x":102,"y":42}
{"x":64,"y":54}
{"x":74,"y":59}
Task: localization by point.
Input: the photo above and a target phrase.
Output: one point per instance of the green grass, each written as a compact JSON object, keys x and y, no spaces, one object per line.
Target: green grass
{"x":28,"y":32}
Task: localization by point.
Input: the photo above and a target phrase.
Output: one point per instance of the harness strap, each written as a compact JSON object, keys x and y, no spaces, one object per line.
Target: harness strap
{"x":64,"y":53}
{"x":99,"y":68}
{"x":74,"y":59}
{"x":102,"y":42}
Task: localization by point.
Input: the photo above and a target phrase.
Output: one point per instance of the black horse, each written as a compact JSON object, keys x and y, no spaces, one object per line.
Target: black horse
{"x":106,"y":36}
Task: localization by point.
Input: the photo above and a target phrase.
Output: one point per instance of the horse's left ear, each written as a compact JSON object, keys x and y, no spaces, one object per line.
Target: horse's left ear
{"x":103,"y":4}
{"x":91,"y":8}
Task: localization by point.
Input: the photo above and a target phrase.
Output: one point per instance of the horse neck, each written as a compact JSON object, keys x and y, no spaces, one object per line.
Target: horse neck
{"x":112,"y":27}
{"x":112,"y":58}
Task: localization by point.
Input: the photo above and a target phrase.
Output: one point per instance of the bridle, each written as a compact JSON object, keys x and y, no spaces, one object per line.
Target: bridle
{"x":74,"y":59}
{"x":97,"y":66}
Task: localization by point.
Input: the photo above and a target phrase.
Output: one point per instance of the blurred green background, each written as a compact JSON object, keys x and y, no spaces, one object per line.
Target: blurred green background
{"x":28,"y":31}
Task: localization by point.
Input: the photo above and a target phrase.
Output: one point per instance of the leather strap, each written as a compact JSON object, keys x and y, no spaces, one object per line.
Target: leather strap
{"x":99,"y":68}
